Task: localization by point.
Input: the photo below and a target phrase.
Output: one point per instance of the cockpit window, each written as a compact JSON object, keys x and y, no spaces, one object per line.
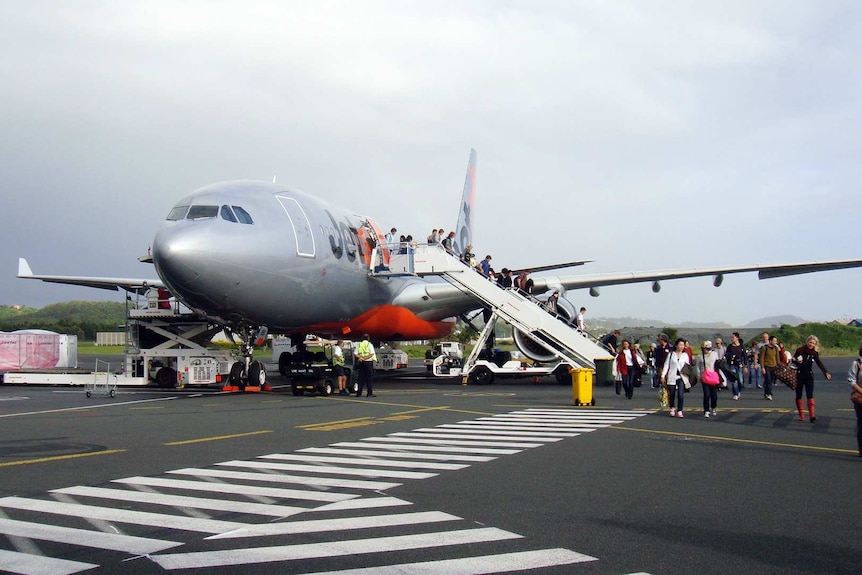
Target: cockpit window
{"x":243,"y":216}
{"x":202,"y":212}
{"x":227,"y":214}
{"x":177,"y":213}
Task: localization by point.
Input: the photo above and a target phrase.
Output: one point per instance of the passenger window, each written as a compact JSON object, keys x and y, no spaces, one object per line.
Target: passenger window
{"x":243,"y":216}
{"x":202,"y":212}
{"x":177,"y":213}
{"x":227,"y":214}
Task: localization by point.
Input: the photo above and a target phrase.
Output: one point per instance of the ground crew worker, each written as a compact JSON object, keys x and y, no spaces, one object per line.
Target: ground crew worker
{"x":366,"y":357}
{"x":338,"y":367}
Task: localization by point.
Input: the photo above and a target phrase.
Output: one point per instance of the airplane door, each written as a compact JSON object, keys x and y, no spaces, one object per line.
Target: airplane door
{"x":301,"y":226}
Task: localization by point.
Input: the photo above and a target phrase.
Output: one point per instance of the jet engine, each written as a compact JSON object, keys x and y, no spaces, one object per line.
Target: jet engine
{"x":536,"y":351}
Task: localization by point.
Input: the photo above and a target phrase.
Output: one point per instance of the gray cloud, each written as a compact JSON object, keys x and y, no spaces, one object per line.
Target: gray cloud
{"x":641,"y":134}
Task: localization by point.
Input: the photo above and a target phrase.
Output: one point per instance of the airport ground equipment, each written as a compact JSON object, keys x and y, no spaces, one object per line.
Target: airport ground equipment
{"x":571,"y":346}
{"x":309,"y":365}
{"x":443,"y":348}
{"x":389,"y":359}
{"x":104,"y":382}
{"x":485,"y":364}
{"x":167,"y":346}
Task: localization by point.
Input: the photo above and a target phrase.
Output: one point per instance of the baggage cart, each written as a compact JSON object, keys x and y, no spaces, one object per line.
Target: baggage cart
{"x":104,"y":382}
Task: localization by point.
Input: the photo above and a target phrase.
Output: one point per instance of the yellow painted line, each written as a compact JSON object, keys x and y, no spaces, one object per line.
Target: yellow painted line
{"x":60,"y":457}
{"x":218,"y":437}
{"x":735,"y":440}
{"x":440,"y":408}
{"x":339,"y":421}
{"x":142,"y":408}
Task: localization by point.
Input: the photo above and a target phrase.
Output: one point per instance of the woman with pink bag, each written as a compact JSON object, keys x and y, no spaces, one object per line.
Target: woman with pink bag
{"x":709,"y":378}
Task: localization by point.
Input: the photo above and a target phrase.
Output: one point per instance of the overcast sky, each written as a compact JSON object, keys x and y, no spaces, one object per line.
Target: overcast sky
{"x":640,"y":134}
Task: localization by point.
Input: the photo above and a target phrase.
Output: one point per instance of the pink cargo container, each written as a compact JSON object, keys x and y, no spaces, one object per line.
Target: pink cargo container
{"x":22,"y":350}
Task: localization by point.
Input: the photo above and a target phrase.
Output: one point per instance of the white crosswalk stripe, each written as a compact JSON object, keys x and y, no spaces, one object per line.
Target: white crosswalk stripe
{"x":323,"y":525}
{"x":484,"y":565}
{"x":247,"y":556}
{"x":363,"y":461}
{"x":27,"y":564}
{"x":182,"y":501}
{"x":413,"y":455}
{"x":367,"y":472}
{"x":244,"y":489}
{"x":84,"y":537}
{"x":279,"y":495}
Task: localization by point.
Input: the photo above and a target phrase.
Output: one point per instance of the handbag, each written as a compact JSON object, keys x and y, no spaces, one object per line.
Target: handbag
{"x":710,"y":377}
{"x":786,"y":374}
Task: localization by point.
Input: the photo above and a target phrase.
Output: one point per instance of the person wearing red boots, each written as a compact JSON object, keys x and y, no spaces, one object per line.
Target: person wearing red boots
{"x":805,"y":358}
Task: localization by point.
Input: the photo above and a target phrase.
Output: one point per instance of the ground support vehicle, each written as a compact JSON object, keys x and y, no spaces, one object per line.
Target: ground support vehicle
{"x":483,"y":366}
{"x":167,"y":347}
{"x":389,"y":359}
{"x":447,"y":348}
{"x":310,"y":369}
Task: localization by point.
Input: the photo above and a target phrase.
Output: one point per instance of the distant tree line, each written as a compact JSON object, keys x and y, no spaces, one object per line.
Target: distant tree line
{"x":81,"y":318}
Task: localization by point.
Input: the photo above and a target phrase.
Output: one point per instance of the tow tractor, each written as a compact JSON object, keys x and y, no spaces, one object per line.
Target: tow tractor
{"x":309,"y":365}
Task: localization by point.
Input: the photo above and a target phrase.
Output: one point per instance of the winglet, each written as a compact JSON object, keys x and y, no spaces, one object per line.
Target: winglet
{"x":24,"y":268}
{"x":464,"y":228}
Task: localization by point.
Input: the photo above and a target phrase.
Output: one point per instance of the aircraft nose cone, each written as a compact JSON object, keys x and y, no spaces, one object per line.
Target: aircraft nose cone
{"x":178,"y":257}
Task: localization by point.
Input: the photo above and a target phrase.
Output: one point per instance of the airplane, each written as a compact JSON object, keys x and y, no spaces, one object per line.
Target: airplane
{"x":257,"y":257}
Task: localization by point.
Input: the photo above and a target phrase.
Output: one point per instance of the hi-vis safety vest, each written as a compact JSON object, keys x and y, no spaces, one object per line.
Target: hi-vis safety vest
{"x":364,"y":349}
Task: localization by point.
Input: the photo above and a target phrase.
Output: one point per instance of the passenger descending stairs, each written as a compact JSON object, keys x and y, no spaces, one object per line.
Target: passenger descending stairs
{"x":520,"y":311}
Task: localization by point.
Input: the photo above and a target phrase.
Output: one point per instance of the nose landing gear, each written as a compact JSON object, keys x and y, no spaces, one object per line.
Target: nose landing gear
{"x":249,"y":374}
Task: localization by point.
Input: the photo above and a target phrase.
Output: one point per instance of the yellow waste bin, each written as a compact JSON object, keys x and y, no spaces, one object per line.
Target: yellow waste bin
{"x":582,"y":386}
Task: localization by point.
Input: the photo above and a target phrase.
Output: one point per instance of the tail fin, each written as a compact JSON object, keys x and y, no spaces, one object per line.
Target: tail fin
{"x":464,"y":229}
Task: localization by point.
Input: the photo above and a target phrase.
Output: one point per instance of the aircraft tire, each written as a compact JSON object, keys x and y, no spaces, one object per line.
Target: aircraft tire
{"x":256,"y":374}
{"x":166,"y":377}
{"x":283,"y":362}
{"x":352,"y":384}
{"x":482,"y":376}
{"x":235,"y":377}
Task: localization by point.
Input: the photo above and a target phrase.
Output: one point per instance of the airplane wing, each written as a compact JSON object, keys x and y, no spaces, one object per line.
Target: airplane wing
{"x":763,"y":271}
{"x":139,"y":286}
{"x":535,"y":269}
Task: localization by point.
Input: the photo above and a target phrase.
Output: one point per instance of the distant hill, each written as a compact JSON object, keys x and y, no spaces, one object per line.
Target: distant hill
{"x":81,"y":318}
{"x":608,"y":323}
{"x":776,"y":321}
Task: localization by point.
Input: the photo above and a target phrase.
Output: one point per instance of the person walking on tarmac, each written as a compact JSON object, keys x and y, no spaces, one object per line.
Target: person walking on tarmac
{"x":674,"y":378}
{"x":338,"y":367}
{"x":805,"y":358}
{"x":366,"y":357}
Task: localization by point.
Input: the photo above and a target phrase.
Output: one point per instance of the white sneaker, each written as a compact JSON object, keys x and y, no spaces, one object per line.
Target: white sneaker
{"x":679,"y":414}
{"x":672,"y":411}
{"x":706,"y":414}
{"x":769,"y":397}
{"x":712,"y":412}
{"x":735,"y":398}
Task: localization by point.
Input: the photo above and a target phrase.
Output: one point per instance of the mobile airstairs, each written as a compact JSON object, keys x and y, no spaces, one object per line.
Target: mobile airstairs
{"x":573,"y":347}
